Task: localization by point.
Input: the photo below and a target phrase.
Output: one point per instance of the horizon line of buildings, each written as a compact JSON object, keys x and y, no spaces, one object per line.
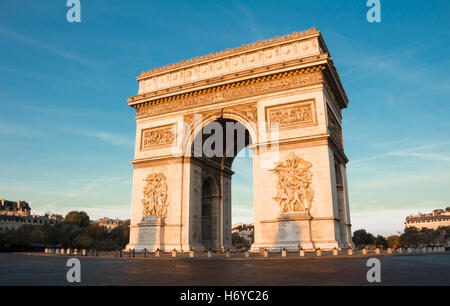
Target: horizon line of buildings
{"x":14,"y":214}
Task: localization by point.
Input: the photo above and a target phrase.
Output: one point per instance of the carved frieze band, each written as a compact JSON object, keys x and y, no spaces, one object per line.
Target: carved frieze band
{"x":242,"y":89}
{"x":292,"y":115}
{"x":157,"y":137}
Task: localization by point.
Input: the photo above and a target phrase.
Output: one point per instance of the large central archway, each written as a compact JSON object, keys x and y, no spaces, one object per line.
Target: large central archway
{"x":213,"y":151}
{"x":285,"y":98}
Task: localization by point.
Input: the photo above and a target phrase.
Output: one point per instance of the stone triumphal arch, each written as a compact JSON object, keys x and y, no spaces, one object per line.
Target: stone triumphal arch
{"x":283,"y":98}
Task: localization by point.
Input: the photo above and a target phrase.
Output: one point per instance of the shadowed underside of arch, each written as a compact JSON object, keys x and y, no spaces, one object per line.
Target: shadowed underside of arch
{"x":212,"y":153}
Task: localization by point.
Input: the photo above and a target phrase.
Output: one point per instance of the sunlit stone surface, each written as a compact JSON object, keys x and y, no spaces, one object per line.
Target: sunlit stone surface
{"x":286,"y":96}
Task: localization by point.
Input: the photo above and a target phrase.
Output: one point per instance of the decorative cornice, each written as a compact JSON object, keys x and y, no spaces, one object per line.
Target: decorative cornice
{"x":246,"y":88}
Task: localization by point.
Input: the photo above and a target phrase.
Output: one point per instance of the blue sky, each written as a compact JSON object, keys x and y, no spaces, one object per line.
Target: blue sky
{"x":67,"y":134}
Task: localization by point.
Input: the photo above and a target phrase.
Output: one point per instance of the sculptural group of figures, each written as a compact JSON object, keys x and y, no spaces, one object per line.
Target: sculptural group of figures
{"x":295,"y":193}
{"x":155,"y":196}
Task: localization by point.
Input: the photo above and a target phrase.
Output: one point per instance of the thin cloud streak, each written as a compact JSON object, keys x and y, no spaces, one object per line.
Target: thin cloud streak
{"x":107,"y":137}
{"x":410,"y":152}
{"x":43,"y":45}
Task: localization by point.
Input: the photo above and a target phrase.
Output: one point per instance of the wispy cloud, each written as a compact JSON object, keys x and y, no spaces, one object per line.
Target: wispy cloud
{"x":411,"y":152}
{"x":107,"y":137}
{"x":404,"y":64}
{"x":57,"y":81}
{"x":241,"y":16}
{"x":43,"y":45}
{"x":19,"y":130}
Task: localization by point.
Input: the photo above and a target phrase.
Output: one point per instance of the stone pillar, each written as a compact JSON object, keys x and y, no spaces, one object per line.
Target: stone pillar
{"x":377,"y":251}
{"x":191,"y":253}
{"x":389,"y":251}
{"x":350,"y":252}
{"x":83,"y":252}
{"x":265,"y":253}
{"x":174,"y":253}
{"x":319,"y":252}
{"x":302,"y":253}
{"x":364,"y":251}
{"x":335,"y":252}
{"x":157,"y":253}
{"x":209,"y":253}
{"x":75,"y":252}
{"x":62,"y":251}
{"x":283,"y":253}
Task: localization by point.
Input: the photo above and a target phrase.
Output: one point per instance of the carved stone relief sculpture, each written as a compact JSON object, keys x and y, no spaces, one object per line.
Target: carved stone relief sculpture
{"x":155,"y":196}
{"x":156,"y":137}
{"x":292,"y":115}
{"x":294,"y":191}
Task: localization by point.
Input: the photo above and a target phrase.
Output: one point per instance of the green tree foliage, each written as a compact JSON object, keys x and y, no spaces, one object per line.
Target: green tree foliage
{"x":393,"y":242}
{"x":413,"y":237}
{"x":410,"y":237}
{"x":83,"y":241}
{"x":75,"y":231}
{"x":362,"y":238}
{"x":381,"y":242}
{"x":79,"y":218}
{"x":239,"y":242}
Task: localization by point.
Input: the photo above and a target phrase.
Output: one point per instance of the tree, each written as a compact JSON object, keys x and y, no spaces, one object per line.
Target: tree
{"x":79,"y":218}
{"x":380,"y":241}
{"x":82,"y":241}
{"x":410,"y":237}
{"x":121,"y":235}
{"x":426,"y":236}
{"x":393,"y":241}
{"x":240,"y":242}
{"x":362,"y":238}
{"x":443,"y":233}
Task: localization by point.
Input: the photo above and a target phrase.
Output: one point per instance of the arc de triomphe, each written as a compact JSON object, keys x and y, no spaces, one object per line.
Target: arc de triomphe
{"x":284,"y":99}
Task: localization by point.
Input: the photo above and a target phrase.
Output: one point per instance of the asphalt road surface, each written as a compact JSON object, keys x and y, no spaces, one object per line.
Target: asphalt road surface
{"x":21,"y":269}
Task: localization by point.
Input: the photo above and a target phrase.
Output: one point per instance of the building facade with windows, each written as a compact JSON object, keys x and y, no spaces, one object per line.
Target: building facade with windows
{"x":15,"y":214}
{"x":435,"y":219}
{"x":246,"y":231}
{"x":110,"y":224}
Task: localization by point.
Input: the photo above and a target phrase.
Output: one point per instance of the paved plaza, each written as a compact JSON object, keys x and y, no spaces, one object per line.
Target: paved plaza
{"x":36,"y":269}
